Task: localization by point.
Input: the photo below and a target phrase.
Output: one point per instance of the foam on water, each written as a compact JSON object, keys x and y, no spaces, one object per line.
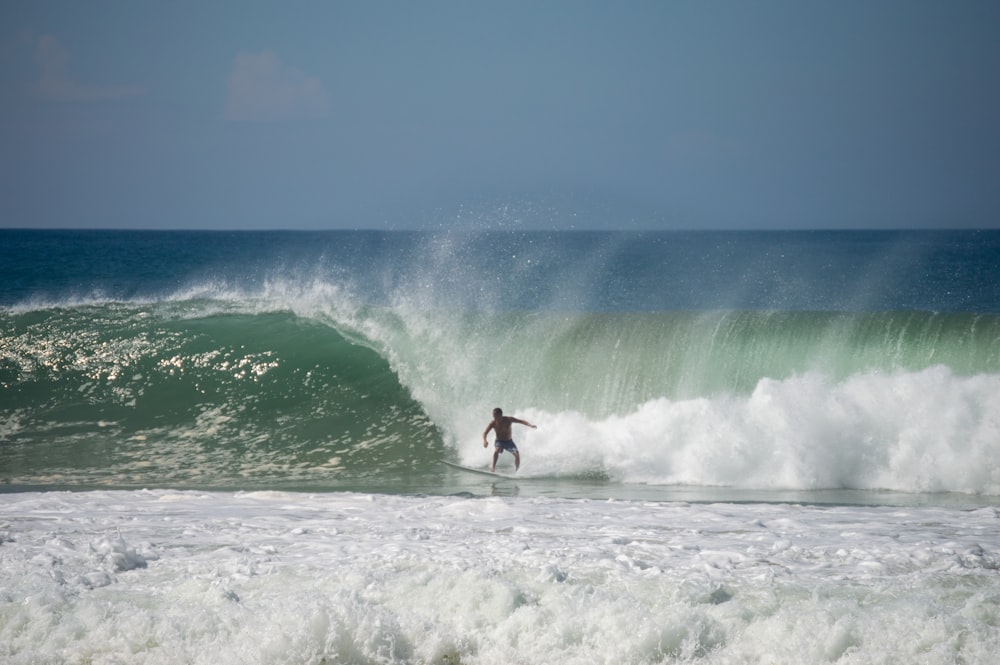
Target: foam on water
{"x":912,"y":432}
{"x":179,"y":577}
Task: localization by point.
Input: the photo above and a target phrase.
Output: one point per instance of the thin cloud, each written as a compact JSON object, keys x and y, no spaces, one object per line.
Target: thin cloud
{"x":261,"y":87}
{"x":55,"y":82}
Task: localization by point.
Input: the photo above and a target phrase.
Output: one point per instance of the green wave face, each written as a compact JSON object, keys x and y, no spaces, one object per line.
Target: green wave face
{"x":126,"y":395}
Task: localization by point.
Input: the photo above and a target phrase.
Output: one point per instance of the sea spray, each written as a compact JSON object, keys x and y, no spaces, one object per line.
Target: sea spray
{"x":312,"y":360}
{"x":236,"y":389}
{"x":796,"y":400}
{"x":913,"y":432}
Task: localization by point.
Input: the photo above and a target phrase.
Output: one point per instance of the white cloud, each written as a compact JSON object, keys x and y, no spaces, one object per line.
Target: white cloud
{"x":56,"y":84}
{"x":261,"y":87}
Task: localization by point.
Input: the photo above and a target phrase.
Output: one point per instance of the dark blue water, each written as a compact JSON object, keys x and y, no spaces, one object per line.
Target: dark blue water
{"x":947,"y":271}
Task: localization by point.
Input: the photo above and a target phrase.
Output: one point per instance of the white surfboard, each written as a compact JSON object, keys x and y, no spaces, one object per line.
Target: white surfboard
{"x":482,"y":472}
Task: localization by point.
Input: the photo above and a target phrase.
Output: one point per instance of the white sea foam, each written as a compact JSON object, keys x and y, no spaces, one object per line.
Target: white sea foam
{"x":927,"y":431}
{"x":181,"y":577}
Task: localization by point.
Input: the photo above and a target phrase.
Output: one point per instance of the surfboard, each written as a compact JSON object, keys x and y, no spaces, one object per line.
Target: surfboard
{"x":482,"y":472}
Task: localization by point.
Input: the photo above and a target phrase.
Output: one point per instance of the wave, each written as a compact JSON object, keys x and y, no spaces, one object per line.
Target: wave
{"x":194,"y":393}
{"x":300,"y":382}
{"x":775,"y":400}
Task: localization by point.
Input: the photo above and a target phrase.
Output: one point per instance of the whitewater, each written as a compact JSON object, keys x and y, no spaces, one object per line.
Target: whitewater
{"x":188,"y":577}
{"x":775,"y":447}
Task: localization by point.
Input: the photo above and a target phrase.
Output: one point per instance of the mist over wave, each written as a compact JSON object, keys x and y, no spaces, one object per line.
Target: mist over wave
{"x":241,"y":389}
{"x":744,"y":399}
{"x":321,"y":363}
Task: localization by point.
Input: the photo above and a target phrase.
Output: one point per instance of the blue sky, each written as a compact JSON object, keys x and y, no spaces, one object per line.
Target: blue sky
{"x":573,"y":114}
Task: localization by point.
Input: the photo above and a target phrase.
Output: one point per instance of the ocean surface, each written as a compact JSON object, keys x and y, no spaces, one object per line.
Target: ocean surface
{"x":773,"y":447}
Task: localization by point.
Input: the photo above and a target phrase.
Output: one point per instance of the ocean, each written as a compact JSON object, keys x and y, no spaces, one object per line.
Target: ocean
{"x":752,"y":447}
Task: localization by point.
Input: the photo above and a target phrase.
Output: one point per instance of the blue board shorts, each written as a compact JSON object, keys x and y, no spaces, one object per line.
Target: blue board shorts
{"x":505,"y":445}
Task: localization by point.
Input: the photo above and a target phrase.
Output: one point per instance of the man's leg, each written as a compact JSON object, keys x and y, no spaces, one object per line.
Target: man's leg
{"x":496,"y":454}
{"x":517,"y":460}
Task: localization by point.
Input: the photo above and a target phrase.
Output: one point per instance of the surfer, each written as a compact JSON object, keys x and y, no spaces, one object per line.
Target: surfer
{"x":501,"y":427}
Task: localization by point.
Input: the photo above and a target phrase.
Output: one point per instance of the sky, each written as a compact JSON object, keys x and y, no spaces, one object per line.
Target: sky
{"x":771,"y":114}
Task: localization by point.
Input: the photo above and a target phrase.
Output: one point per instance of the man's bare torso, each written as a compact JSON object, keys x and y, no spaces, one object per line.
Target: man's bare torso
{"x":501,"y":426}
